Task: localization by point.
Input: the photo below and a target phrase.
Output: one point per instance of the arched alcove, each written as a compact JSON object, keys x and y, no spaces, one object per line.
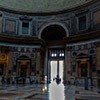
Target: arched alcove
{"x":53,"y":32}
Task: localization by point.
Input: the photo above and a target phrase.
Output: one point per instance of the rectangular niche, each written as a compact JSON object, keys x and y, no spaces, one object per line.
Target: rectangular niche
{"x":10,"y":26}
{"x":97,"y":19}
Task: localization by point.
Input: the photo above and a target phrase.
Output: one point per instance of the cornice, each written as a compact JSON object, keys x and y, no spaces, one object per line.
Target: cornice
{"x":35,"y":41}
{"x":83,"y":37}
{"x":21,"y":40}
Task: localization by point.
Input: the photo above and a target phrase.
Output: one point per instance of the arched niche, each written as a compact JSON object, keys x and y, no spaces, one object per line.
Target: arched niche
{"x":53,"y":32}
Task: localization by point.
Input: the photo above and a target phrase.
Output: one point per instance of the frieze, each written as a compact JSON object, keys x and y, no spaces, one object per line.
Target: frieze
{"x":92,"y":51}
{"x":83,"y":47}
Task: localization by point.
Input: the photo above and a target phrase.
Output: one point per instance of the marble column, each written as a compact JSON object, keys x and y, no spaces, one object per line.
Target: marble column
{"x":65,"y":67}
{"x":46,"y":66}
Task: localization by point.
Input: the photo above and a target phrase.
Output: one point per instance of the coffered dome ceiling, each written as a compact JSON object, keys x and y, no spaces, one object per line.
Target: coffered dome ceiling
{"x":35,"y":6}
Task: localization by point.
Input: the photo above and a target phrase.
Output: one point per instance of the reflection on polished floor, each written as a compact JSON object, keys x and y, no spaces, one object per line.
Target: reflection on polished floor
{"x":52,"y":91}
{"x":56,"y":92}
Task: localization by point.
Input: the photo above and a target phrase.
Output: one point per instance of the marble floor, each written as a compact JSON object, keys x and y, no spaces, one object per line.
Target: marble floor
{"x":52,"y":91}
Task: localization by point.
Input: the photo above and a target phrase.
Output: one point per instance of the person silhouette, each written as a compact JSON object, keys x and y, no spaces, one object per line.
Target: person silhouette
{"x":58,"y":80}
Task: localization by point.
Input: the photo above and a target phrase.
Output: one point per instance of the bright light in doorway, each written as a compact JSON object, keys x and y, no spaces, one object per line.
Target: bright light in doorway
{"x":53,"y":66}
{"x":53,"y":69}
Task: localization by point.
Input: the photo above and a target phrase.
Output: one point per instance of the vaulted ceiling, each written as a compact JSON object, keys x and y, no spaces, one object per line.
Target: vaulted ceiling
{"x":40,"y":5}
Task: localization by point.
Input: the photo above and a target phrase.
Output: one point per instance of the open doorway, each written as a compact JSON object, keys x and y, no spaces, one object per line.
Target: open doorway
{"x":56,"y":68}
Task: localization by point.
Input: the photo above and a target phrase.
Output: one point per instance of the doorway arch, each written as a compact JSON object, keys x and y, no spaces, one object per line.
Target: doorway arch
{"x":53,"y":34}
{"x":53,"y":31}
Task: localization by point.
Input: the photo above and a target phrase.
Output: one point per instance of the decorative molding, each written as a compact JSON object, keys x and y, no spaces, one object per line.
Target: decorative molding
{"x":10,"y":20}
{"x":25,"y":18}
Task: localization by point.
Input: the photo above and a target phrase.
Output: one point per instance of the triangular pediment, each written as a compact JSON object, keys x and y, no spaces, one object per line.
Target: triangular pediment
{"x":82,"y":55}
